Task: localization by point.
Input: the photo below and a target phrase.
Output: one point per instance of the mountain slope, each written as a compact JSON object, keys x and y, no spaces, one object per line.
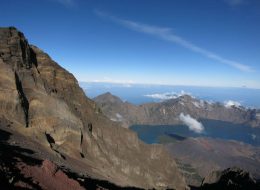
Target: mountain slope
{"x":204,"y":155}
{"x":44,"y":103}
{"x":120,"y":111}
{"x":167,"y":112}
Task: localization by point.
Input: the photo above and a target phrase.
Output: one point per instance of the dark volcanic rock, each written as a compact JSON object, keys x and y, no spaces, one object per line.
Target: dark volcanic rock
{"x":15,"y":50}
{"x":230,"y":179}
{"x":43,"y":102}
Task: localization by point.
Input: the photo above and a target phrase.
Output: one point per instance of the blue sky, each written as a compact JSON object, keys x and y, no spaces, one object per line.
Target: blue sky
{"x":183,"y":42}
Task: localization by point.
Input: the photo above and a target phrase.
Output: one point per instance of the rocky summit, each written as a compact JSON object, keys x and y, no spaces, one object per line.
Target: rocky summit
{"x":45,"y":115}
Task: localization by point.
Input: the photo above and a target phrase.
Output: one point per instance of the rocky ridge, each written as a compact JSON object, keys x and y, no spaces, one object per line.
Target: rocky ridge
{"x":167,"y":112}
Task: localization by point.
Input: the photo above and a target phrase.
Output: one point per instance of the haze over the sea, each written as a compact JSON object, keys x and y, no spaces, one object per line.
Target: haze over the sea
{"x":143,"y":93}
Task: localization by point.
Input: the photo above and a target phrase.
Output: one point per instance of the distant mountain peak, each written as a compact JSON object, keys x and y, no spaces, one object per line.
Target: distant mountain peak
{"x":108,"y":97}
{"x":168,"y":111}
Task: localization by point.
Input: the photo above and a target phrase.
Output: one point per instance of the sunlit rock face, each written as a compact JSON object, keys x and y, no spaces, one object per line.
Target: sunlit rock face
{"x":42,"y":101}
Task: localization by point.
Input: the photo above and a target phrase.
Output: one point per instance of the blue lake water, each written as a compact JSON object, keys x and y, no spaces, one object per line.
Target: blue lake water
{"x":135,"y":93}
{"x":214,"y":129}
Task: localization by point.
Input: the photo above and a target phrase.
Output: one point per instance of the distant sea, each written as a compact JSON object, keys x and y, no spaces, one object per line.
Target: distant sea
{"x":143,"y":93}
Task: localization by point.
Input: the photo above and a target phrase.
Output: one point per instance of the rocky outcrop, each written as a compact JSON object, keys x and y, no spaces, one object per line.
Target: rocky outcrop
{"x":230,"y":179}
{"x":43,"y":102}
{"x":117,"y":110}
{"x":167,"y":112}
{"x":47,"y":176}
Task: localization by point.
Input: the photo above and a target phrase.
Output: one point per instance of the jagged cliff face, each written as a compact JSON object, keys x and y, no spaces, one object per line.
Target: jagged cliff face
{"x":43,"y":102}
{"x":167,"y":112}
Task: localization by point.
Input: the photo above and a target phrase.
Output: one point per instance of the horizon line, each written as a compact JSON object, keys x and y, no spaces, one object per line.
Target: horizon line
{"x":163,"y":84}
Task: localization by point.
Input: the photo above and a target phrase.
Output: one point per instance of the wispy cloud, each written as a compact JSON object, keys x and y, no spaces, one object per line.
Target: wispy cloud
{"x":192,"y":123}
{"x":67,"y":3}
{"x":235,"y":3}
{"x":168,"y":35}
{"x":167,"y":95}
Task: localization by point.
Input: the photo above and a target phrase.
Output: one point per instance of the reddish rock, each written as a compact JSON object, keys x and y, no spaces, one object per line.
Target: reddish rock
{"x":48,"y":176}
{"x":23,"y":185}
